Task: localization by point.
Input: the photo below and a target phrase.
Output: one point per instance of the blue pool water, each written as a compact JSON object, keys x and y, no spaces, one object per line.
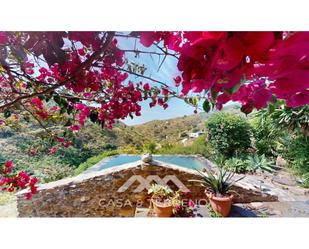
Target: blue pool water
{"x":183,"y":161}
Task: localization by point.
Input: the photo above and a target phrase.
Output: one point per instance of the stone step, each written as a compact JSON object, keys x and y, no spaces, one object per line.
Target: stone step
{"x":269,"y":190}
{"x":271,"y":209}
{"x":254,"y":209}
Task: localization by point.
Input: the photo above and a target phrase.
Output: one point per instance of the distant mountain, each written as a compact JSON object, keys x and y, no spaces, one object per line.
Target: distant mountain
{"x":175,"y":129}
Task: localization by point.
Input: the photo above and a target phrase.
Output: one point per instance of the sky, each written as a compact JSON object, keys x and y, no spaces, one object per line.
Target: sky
{"x":168,"y":71}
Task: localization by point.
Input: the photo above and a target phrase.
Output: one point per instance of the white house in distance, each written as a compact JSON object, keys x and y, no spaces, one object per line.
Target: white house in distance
{"x":195,"y":134}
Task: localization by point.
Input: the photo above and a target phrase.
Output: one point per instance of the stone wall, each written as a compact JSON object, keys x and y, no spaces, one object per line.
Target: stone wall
{"x":97,"y":194}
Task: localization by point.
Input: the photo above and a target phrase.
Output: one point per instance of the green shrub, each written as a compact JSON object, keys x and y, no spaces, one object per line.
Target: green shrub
{"x":50,"y":168}
{"x":259,"y":163}
{"x":173,"y":149}
{"x":267,"y":134}
{"x":219,"y":159}
{"x":198,"y":147}
{"x":254,"y":163}
{"x":93,"y":160}
{"x":150,"y":147}
{"x":201,"y":147}
{"x":298,"y":155}
{"x":237,"y":165}
{"x":130,"y":149}
{"x":265,"y":137}
{"x":305,"y":180}
{"x":73,"y":156}
{"x":294,"y":120}
{"x":228,"y":134}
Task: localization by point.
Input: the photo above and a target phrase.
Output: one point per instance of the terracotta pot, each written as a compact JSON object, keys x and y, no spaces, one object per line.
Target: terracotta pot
{"x":221,"y":205}
{"x":162,"y":209}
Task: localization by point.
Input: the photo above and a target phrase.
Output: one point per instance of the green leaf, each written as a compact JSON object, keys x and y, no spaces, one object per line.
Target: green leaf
{"x":193,"y":100}
{"x":57,"y":99}
{"x":7,"y":113}
{"x":93,"y":117}
{"x":206,"y":106}
{"x":214,"y":95}
{"x":271,"y":108}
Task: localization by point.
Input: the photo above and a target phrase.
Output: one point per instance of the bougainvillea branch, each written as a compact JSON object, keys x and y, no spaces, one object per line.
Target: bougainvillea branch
{"x":65,"y":78}
{"x":10,"y":181}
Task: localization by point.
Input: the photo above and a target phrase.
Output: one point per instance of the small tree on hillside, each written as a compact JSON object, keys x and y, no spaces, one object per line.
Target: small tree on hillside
{"x":150,"y":147}
{"x":228,"y":134}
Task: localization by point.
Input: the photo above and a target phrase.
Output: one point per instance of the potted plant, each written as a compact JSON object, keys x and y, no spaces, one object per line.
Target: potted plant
{"x":218,"y":190}
{"x":161,"y":200}
{"x":181,"y":206}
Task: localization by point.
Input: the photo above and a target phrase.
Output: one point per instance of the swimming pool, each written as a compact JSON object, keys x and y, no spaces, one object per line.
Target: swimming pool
{"x":189,"y":162}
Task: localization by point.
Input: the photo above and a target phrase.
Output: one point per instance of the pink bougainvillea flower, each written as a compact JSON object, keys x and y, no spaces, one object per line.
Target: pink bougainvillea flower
{"x":8,"y":167}
{"x":191,"y":204}
{"x":60,"y":139}
{"x":291,"y":82}
{"x":28,"y":67}
{"x":160,"y":102}
{"x":230,"y":55}
{"x":222,"y":99}
{"x":79,"y":106}
{"x":172,"y":40}
{"x":178,"y":207}
{"x":146,"y":87}
{"x":52,"y":150}
{"x":38,"y":103}
{"x":177,"y":80}
{"x":33,"y":152}
{"x":3,"y":37}
{"x":11,"y":182}
{"x":148,"y":38}
{"x":195,"y":110}
{"x":81,"y":51}
{"x":75,"y":128}
{"x":247,"y":108}
{"x":55,"y":108}
{"x":256,"y":43}
{"x":199,"y":85}
{"x":152,"y":104}
{"x":28,"y":196}
{"x":165,"y":91}
{"x":42,"y":114}
{"x":299,"y":99}
{"x":261,"y":97}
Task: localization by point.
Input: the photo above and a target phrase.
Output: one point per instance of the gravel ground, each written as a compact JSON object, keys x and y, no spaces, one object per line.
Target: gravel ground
{"x":8,"y":205}
{"x":8,"y":210}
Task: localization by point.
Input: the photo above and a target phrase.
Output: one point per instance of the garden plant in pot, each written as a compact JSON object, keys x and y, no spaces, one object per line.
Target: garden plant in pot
{"x":182,"y":207}
{"x":161,"y":200}
{"x":218,"y":189}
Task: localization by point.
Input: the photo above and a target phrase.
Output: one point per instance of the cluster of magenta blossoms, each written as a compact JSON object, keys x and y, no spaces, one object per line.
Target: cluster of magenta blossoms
{"x":11,"y":180}
{"x":252,"y":68}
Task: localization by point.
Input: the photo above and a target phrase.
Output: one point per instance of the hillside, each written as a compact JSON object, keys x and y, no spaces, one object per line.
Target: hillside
{"x":25,"y":146}
{"x":174,"y":130}
{"x":171,"y":130}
